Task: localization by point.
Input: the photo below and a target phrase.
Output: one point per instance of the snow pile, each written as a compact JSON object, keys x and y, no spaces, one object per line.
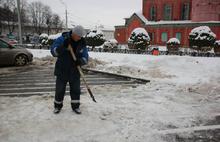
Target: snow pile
{"x":40,"y":53}
{"x":55,"y":36}
{"x":44,"y":58}
{"x":45,"y":61}
{"x":43,"y":35}
{"x":176,"y":69}
{"x":202,"y":33}
{"x":173,"y":41}
{"x":112,"y":43}
{"x":183,"y":93}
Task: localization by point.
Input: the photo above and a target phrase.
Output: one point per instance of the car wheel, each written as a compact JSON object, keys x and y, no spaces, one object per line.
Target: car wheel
{"x":20,"y":60}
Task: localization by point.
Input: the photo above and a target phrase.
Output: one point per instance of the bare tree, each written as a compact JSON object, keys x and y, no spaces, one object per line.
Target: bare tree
{"x":37,"y":11}
{"x":48,"y":18}
{"x":24,"y":11}
{"x":57,"y":23}
{"x":42,"y":17}
{"x":9,"y":14}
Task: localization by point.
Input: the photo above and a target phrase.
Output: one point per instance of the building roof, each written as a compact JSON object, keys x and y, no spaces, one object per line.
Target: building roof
{"x":155,"y":23}
{"x":141,"y":16}
{"x":178,"y":22}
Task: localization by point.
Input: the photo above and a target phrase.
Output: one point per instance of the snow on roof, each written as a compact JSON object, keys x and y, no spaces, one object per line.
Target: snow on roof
{"x":178,"y":22}
{"x":200,"y":30}
{"x":141,"y":16}
{"x":55,"y":36}
{"x":173,"y":40}
{"x":162,"y":22}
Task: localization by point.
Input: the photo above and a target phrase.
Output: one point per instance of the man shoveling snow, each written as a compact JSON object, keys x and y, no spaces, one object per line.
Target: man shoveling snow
{"x":66,"y":68}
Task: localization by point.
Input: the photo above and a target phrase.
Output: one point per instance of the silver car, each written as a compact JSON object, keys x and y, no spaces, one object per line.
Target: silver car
{"x":11,"y":55}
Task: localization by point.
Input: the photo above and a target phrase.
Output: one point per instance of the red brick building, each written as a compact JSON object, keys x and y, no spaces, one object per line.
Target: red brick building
{"x":165,"y":19}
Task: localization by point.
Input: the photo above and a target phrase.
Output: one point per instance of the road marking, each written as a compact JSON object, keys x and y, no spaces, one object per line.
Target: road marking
{"x":183,"y":130}
{"x":27,"y":93}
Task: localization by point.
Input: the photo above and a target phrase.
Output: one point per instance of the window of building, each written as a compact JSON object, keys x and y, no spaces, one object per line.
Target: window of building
{"x":185,"y":11}
{"x":153,"y":13}
{"x":167,"y":12}
{"x":178,"y":36}
{"x":164,"y":37}
{"x":151,"y":37}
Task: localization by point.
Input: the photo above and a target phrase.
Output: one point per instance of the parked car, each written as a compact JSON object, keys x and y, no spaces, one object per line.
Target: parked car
{"x":11,"y":55}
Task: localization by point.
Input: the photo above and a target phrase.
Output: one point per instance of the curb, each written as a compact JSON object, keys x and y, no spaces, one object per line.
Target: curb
{"x":137,"y":80}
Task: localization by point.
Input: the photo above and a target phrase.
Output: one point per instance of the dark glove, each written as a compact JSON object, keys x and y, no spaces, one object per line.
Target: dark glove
{"x":61,"y":49}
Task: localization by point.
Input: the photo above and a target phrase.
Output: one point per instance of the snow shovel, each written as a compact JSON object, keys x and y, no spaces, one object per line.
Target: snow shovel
{"x":81,"y":73}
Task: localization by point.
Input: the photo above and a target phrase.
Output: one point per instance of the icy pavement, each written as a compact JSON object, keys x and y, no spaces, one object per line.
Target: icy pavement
{"x":122,"y":114}
{"x":181,"y":103}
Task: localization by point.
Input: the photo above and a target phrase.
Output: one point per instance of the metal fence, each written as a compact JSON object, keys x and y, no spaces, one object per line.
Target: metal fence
{"x":138,"y":51}
{"x":134,"y":51}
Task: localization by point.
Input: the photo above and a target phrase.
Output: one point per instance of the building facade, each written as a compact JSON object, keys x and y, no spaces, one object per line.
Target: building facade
{"x":165,"y":19}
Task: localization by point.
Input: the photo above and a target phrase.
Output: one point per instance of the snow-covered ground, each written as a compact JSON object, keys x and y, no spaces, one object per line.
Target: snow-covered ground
{"x":184,"y":92}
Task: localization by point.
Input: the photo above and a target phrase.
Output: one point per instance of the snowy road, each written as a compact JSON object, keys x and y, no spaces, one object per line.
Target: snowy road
{"x":41,"y":81}
{"x":151,"y":112}
{"x":181,"y":103}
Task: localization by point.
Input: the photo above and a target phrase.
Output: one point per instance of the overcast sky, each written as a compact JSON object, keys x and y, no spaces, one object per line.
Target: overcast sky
{"x":92,"y":12}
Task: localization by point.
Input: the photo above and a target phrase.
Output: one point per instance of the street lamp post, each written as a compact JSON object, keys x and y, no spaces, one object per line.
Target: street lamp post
{"x":66,"y":20}
{"x":62,"y":2}
{"x":19,"y":21}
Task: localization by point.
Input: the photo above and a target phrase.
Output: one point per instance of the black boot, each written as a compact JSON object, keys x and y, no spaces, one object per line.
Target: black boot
{"x":75,"y":106}
{"x":77,"y":111}
{"x":56,"y":110}
{"x":57,"y":107}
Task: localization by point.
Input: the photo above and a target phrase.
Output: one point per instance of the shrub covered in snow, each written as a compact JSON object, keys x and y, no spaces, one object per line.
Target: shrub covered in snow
{"x":202,"y":38}
{"x":44,"y":36}
{"x":109,"y":44}
{"x":173,"y":45}
{"x":43,"y":39}
{"x":51,"y":38}
{"x":139,"y":39}
{"x":217,"y":43}
{"x":173,"y":41}
{"x":217,"y":47}
{"x":95,"y":38}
